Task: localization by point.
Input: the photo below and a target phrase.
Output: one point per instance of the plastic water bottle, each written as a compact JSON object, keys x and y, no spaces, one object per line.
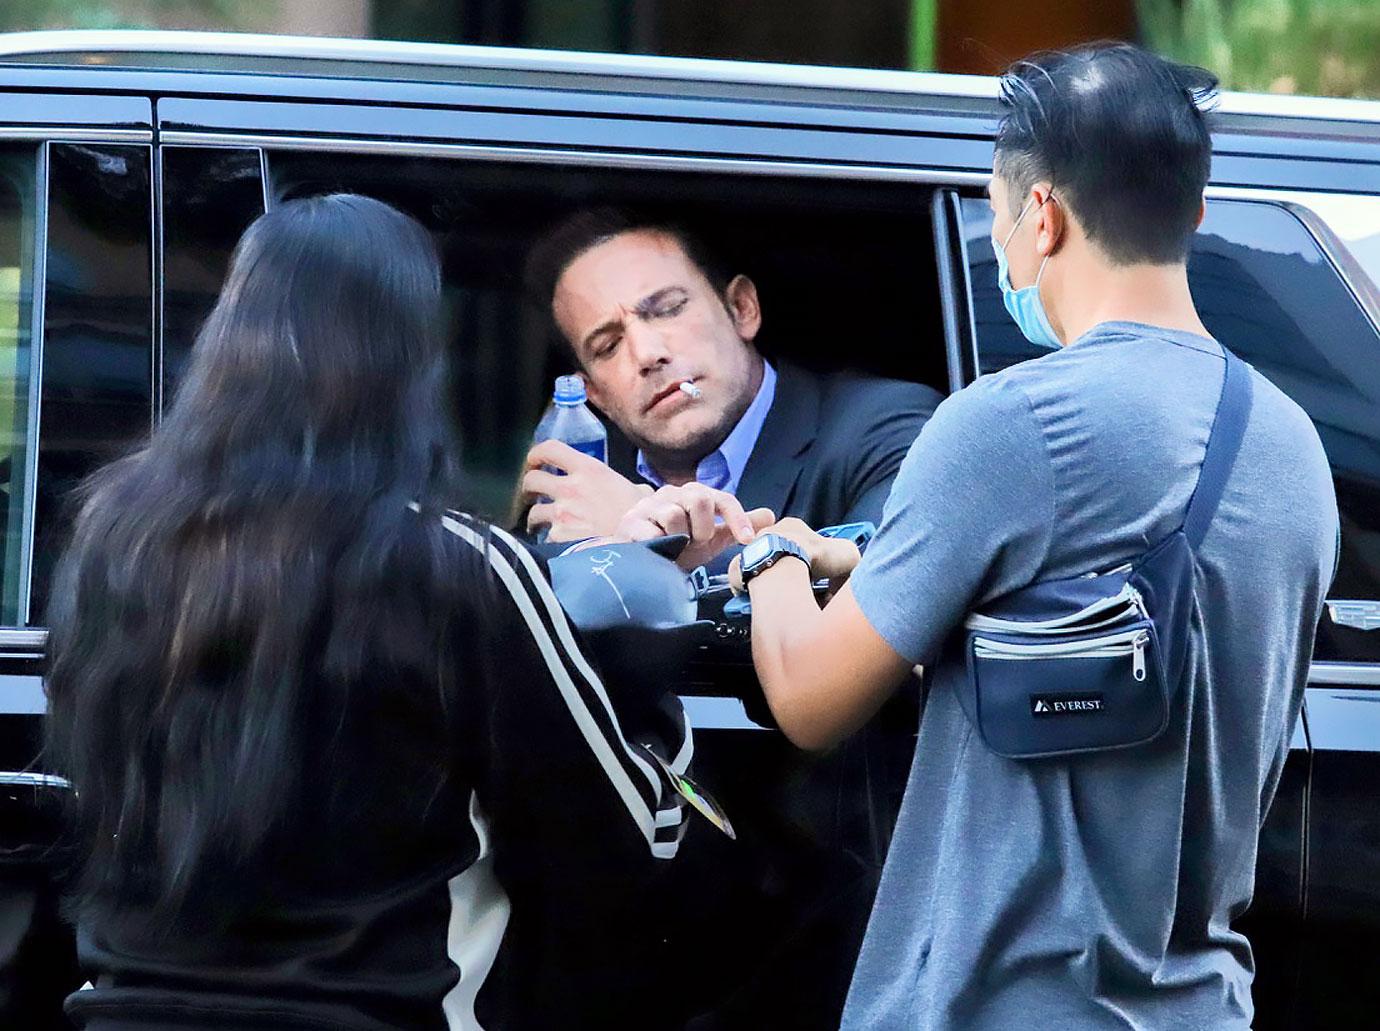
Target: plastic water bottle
{"x":569,"y":420}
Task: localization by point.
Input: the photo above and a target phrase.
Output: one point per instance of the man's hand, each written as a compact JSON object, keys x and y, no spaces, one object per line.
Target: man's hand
{"x":712,"y":519}
{"x":824,"y":671}
{"x":588,"y":501}
{"x":830,"y":557}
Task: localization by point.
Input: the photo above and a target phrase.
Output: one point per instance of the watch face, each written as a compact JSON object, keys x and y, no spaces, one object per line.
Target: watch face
{"x":755,"y":551}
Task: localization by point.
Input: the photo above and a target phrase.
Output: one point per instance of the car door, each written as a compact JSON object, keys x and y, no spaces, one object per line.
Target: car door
{"x":76,"y":329}
{"x":1289,"y":280}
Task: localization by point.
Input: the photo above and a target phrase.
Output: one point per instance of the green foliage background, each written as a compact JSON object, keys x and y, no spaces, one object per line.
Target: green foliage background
{"x":18,"y":15}
{"x":1322,"y":47}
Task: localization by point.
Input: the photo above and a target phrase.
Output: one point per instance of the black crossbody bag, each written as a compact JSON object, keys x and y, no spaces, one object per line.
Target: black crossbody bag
{"x":1095,"y":662}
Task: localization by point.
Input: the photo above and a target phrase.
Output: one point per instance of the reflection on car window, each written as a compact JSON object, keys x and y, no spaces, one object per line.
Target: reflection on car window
{"x":210,"y":196}
{"x":1000,"y":343}
{"x":16,"y":315}
{"x":1353,"y":224}
{"x":1265,"y":287}
{"x":97,"y":382}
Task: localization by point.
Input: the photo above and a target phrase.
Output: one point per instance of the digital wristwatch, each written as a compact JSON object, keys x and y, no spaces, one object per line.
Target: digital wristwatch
{"x":767,"y":550}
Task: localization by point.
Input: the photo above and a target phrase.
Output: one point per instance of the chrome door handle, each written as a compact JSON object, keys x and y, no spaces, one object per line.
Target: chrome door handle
{"x":33,"y":780}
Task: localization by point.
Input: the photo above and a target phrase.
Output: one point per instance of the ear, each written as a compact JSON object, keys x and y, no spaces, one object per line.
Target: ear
{"x":1202,"y":213}
{"x":743,"y":305}
{"x":1052,"y":220}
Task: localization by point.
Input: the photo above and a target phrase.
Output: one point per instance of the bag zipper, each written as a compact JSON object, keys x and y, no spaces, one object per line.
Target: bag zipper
{"x":1131,"y":643}
{"x":1128,"y":595}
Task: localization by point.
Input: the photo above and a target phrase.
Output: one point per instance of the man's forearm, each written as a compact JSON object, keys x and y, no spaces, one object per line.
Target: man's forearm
{"x":785,"y":617}
{"x":824,"y":672}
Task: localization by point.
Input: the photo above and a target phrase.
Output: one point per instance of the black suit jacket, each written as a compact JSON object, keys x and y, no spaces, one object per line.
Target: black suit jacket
{"x":771,"y":923}
{"x":830,"y":446}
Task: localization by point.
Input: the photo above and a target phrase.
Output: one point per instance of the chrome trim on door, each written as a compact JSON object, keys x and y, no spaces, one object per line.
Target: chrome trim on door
{"x":38,"y":309}
{"x":601,"y":159}
{"x":33,"y":640}
{"x":74,"y":134}
{"x":1365,"y":674}
{"x":23,"y":778}
{"x":22,"y":695}
{"x":263,"y":180}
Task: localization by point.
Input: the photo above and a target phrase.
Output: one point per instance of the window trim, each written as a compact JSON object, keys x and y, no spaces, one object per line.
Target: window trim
{"x":35,"y":249}
{"x":577,"y":157}
{"x":1345,"y":673}
{"x":72,"y":134}
{"x":38,"y":316}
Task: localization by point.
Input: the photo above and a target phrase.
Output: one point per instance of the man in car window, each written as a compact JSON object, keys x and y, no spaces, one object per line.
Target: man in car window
{"x":664,"y":336}
{"x":1097,"y":890}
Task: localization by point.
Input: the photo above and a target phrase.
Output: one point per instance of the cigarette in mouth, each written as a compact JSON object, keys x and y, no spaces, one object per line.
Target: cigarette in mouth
{"x":690,"y":388}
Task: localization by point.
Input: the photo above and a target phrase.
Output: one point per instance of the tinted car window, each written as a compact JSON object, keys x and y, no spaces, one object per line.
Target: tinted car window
{"x":18,"y":217}
{"x":97,"y":330}
{"x":1266,"y":289}
{"x":999,"y":342}
{"x":210,"y":195}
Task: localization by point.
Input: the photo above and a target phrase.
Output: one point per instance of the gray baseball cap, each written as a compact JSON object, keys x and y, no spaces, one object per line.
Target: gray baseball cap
{"x":635,"y":607}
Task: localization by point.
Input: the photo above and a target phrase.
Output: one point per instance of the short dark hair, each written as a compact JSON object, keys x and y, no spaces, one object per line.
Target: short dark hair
{"x":588,"y":228}
{"x":1123,"y":137}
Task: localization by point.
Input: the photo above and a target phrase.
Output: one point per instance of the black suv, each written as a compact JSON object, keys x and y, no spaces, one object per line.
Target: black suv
{"x":131,"y":162}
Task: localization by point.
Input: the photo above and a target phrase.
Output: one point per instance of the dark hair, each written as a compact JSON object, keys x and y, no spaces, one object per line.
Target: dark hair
{"x":224,"y":581}
{"x":1122,"y":136}
{"x":586,"y":229}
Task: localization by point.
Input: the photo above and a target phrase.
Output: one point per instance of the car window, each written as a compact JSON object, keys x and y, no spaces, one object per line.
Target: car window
{"x":845,"y":271}
{"x":18,"y":217}
{"x":1266,"y":288}
{"x":999,"y":342}
{"x":210,"y":195}
{"x":97,"y":382}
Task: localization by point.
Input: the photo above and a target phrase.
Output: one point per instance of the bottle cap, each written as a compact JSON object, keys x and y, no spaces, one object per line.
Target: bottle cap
{"x":570,"y":390}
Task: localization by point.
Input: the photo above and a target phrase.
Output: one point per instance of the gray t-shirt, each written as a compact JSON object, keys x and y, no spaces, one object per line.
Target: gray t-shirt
{"x":1094,"y":892}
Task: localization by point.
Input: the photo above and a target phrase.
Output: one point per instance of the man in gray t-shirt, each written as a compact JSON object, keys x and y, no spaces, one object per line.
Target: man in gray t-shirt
{"x":1096,"y":891}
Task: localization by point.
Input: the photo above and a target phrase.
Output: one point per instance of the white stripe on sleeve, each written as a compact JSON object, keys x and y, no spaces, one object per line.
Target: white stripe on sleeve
{"x":595,"y":737}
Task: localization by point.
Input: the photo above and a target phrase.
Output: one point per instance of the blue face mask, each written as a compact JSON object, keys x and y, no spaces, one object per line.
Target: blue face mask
{"x":1025,"y":305}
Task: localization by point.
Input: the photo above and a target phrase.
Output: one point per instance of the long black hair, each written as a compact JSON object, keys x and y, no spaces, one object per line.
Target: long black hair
{"x":224,"y":576}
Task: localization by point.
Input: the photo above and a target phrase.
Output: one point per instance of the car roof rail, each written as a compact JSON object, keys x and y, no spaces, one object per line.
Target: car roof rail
{"x":372,"y":58}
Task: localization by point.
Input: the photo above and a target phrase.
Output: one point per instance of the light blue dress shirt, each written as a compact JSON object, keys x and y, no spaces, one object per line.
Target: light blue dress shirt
{"x":723,"y":467}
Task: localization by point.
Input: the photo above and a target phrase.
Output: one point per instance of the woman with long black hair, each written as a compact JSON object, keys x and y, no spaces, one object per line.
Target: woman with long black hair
{"x":337,"y":760}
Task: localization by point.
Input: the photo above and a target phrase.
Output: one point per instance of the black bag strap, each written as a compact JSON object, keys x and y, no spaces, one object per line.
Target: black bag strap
{"x":1224,"y":443}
